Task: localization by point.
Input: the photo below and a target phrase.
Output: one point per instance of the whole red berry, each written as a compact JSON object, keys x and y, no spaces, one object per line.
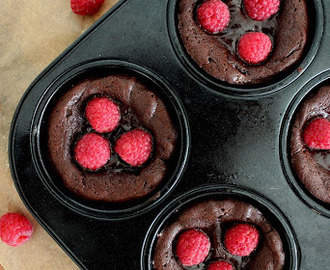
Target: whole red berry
{"x":316,"y":135}
{"x":213,"y":16}
{"x":92,"y":151}
{"x":220,"y":265}
{"x":15,"y":229}
{"x":134,"y":147}
{"x":261,"y":10}
{"x":192,"y":247}
{"x":254,"y":47}
{"x":241,"y":239}
{"x":86,"y":7}
{"x":103,"y":114}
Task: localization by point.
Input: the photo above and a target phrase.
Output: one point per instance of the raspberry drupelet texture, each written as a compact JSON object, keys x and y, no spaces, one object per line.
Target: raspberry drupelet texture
{"x":15,"y":229}
{"x":254,"y":47}
{"x":134,"y":147}
{"x":92,"y":151}
{"x":316,"y":135}
{"x":261,"y":10}
{"x":103,"y":114}
{"x":86,"y":7}
{"x":192,"y":247}
{"x":213,"y":16}
{"x":241,"y":239}
{"x":220,"y":265}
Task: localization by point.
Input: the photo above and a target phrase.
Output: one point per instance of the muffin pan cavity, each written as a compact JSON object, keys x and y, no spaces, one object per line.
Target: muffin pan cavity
{"x":307,"y":169}
{"x":113,"y":191}
{"x":214,"y":210}
{"x":213,"y":58}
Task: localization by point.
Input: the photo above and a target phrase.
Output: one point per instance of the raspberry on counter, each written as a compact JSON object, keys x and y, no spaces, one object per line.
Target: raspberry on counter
{"x":220,"y":265}
{"x":213,"y":15}
{"x":192,"y":247}
{"x":86,"y":7}
{"x":241,"y":239}
{"x":317,"y":134}
{"x":261,"y":10}
{"x":134,"y":147}
{"x":103,"y":114}
{"x":92,"y":151}
{"x":15,"y":229}
{"x":254,"y":47}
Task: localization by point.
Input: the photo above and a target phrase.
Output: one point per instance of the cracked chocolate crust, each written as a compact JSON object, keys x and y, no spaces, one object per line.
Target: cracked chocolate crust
{"x":140,"y":107}
{"x":213,"y":217}
{"x":216,"y":54}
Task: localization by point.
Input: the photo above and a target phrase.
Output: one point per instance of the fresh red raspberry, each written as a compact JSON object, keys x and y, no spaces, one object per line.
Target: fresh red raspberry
{"x":192,"y":247}
{"x":317,"y":134}
{"x":134,"y":147}
{"x":213,"y":15}
{"x":15,"y":229}
{"x":261,"y":10}
{"x":241,"y":239}
{"x":254,"y":47}
{"x":103,"y":114}
{"x":220,"y":265}
{"x":86,"y":7}
{"x":92,"y":151}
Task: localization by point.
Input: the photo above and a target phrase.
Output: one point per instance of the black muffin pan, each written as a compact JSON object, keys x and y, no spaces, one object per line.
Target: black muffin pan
{"x":233,"y":141}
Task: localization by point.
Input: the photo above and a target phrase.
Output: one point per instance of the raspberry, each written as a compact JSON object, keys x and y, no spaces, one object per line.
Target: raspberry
{"x":192,"y":247}
{"x":241,"y":239}
{"x":92,"y":151}
{"x":220,"y":265}
{"x":317,"y":134}
{"x":86,"y":7}
{"x":103,"y":114}
{"x":261,"y":10}
{"x":254,"y":47}
{"x":213,"y":15}
{"x":15,"y":229}
{"x":134,"y":147}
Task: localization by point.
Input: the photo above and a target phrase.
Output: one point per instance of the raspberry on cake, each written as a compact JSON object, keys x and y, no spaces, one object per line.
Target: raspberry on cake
{"x":261,"y":10}
{"x":86,"y":7}
{"x":241,"y":239}
{"x":213,"y":15}
{"x":92,"y":151}
{"x":15,"y":229}
{"x":317,"y":134}
{"x":103,"y":114}
{"x":220,"y":265}
{"x":254,"y":47}
{"x":192,"y":247}
{"x":134,"y":147}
